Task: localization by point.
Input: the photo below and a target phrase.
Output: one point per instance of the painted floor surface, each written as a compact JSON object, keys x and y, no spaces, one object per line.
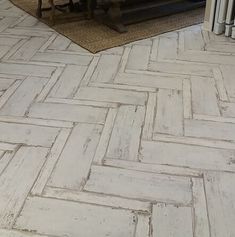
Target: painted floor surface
{"x":136,"y":141}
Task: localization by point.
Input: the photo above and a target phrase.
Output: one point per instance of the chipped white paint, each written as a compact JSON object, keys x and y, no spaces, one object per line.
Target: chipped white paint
{"x":171,"y":220}
{"x":169,"y":102}
{"x":17,"y":180}
{"x":70,"y":218}
{"x":76,"y":157}
{"x":125,"y":137}
{"x":135,"y":141}
{"x":139,"y":185}
{"x":190,"y":156}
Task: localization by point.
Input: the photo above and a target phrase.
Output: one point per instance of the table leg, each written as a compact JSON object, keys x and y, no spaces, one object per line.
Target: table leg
{"x":51,"y":2}
{"x":39,"y":9}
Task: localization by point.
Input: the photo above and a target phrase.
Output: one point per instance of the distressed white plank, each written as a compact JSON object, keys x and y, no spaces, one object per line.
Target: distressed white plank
{"x":201,"y":223}
{"x":182,"y":68}
{"x":154,"y":50}
{"x":82,"y":102}
{"x":97,"y":199}
{"x":5,"y":159}
{"x":6,"y":22}
{"x":62,"y":58}
{"x":60,"y":43}
{"x":169,"y":102}
{"x":195,"y":141}
{"x":207,"y":57}
{"x":139,"y":57}
{"x":143,"y":226}
{"x":48,"y":42}
{"x":112,"y":95}
{"x":228,"y":72}
{"x":74,"y":219}
{"x":35,"y":121}
{"x":204,"y":96}
{"x":7,"y":146}
{"x":105,"y":136}
{"x":152,"y":168}
{"x":55,"y":76}
{"x":28,"y":49}
{"x":10,"y":11}
{"x":193,"y":39}
{"x":3,"y":50}
{"x":26,"y":31}
{"x":107,"y":68}
{"x":17,"y":180}
{"x":15,"y":233}
{"x":167,"y":48}
{"x":27,"y":134}
{"x":26,"y":69}
{"x":92,"y":66}
{"x":10,"y":76}
{"x":14,"y":49}
{"x":139,"y":185}
{"x":52,"y":158}
{"x":181,"y":42}
{"x":8,"y":41}
{"x":220,"y":85}
{"x":187,"y":99}
{"x":168,"y":220}
{"x":1,"y":153}
{"x":7,"y":94}
{"x":68,"y":82}
{"x":125,"y":138}
{"x":152,"y":81}
{"x":76,"y":158}
{"x":66,"y":112}
{"x":27,"y":21}
{"x":5,"y":83}
{"x":124,"y":59}
{"x":220,"y":194}
{"x":220,"y":119}
{"x":228,"y":109}
{"x":123,"y":87}
{"x":187,"y":156}
{"x":149,"y":116}
{"x":209,"y":129}
{"x":23,"y":97}
{"x":223,"y":47}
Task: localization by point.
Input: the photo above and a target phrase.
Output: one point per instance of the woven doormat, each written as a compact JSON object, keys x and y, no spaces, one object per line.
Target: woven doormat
{"x":96,"y":37}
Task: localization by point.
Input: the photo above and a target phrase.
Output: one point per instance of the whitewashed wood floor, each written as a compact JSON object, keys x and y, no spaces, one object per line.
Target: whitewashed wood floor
{"x":136,"y":141}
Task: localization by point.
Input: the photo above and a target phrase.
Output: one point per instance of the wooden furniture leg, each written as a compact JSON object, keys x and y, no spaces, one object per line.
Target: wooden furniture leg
{"x":71,"y":6}
{"x":115,"y":16}
{"x":89,"y":9}
{"x":51,"y":2}
{"x":39,"y":9}
{"x":52,"y":8}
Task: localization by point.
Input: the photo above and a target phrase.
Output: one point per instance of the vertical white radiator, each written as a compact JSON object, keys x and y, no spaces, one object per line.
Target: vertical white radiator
{"x":225,"y":17}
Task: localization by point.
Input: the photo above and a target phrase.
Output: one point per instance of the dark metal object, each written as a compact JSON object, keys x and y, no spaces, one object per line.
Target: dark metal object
{"x":118,"y":13}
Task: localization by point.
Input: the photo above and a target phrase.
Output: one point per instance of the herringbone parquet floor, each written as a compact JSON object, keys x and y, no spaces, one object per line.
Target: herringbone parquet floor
{"x":136,"y":141}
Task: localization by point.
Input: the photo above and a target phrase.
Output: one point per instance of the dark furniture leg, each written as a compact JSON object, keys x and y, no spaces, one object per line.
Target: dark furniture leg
{"x":51,"y":2}
{"x":52,"y":8}
{"x":71,"y":6}
{"x":39,"y":9}
{"x":115,"y":17}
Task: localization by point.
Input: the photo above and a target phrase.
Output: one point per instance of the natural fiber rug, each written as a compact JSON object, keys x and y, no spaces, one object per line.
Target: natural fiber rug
{"x":96,"y":37}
